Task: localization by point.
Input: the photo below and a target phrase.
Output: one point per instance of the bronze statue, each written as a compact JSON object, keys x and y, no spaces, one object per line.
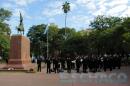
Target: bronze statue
{"x":20,"y":28}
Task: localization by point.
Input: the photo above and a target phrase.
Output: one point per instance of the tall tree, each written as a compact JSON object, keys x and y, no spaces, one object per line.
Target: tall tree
{"x":38,"y":39}
{"x":4,"y":32}
{"x":103,"y":22}
{"x":66,"y":9}
{"x":53,"y":40}
{"x":4,"y":14}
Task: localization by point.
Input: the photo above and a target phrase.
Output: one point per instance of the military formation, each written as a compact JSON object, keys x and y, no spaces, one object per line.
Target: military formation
{"x":83,"y":64}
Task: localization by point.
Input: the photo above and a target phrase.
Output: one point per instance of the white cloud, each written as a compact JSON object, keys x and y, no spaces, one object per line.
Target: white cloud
{"x":103,"y":7}
{"x":22,"y":2}
{"x":100,"y":7}
{"x":101,"y":2}
{"x":17,"y":10}
{"x":88,"y":4}
{"x":51,"y":20}
{"x":117,"y":2}
{"x":23,"y":12}
{"x":91,"y":6}
{"x":101,"y":11}
{"x":53,"y":9}
{"x":7,"y":5}
{"x":55,"y":4}
{"x":83,"y":1}
{"x":117,"y":9}
{"x":80,"y":19}
{"x":72,"y":6}
{"x":51,"y":13}
{"x":126,"y":12}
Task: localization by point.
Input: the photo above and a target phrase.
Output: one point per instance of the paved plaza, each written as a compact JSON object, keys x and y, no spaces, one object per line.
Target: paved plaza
{"x":115,"y":78}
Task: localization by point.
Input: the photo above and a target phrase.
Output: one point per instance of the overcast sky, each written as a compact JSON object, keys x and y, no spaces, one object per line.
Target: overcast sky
{"x":50,"y":11}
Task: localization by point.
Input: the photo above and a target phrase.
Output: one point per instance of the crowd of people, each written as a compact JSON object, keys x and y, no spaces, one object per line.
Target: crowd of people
{"x":83,"y":64}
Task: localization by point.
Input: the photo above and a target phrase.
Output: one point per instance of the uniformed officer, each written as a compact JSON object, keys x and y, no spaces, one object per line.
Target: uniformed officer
{"x":48,"y":61}
{"x":56,"y":65}
{"x":68,"y":65}
{"x":78,"y":63}
{"x":84,"y":64}
{"x":39,"y":60}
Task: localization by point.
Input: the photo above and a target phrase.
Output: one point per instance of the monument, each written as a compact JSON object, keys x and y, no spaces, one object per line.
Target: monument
{"x":19,"y":55}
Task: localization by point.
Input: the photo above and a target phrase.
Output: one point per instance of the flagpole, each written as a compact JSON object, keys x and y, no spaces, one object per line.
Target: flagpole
{"x":46,"y":32}
{"x":47,"y":45}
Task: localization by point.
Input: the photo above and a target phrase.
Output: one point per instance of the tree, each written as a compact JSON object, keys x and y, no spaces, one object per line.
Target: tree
{"x":70,"y":33}
{"x":66,"y":9}
{"x":103,"y":22}
{"x":5,"y":29}
{"x":4,"y":15}
{"x":53,"y":40}
{"x":4,"y":46}
{"x":38,"y":40}
{"x":109,"y":36}
{"x":4,"y":32}
{"x":126,"y":42}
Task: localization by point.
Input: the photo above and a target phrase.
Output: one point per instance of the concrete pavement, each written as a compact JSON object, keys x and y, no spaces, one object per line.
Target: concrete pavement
{"x":65,"y":79}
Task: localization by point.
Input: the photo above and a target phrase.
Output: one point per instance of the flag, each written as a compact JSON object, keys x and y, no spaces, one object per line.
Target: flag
{"x":46,"y":29}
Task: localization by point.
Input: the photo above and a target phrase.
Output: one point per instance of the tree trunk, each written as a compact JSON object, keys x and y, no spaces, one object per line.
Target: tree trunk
{"x":65,"y":22}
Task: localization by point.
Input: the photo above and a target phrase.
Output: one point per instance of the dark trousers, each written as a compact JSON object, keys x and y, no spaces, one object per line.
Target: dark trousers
{"x":77,"y":68}
{"x":84,"y":68}
{"x":56,"y":70}
{"x":39,"y":68}
{"x":48,"y":70}
{"x":69,"y":69}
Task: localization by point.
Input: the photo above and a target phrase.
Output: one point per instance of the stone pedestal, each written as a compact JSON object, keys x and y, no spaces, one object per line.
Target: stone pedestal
{"x":19,"y":56}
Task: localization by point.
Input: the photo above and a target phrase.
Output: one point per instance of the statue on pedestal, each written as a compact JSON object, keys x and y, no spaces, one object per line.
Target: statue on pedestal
{"x":20,"y":28}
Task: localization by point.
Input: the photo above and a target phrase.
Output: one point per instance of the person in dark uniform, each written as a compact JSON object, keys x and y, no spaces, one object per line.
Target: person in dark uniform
{"x":6,"y":60}
{"x":110,"y":63}
{"x":53,"y":64}
{"x":119,"y":62}
{"x":105,"y":63}
{"x":89,"y":63}
{"x":94,"y":61}
{"x":48,"y":61}
{"x":56,"y":65}
{"x":68,"y":65}
{"x":62,"y":60}
{"x":78,"y":63}
{"x":98,"y":63}
{"x":39,"y":60}
{"x":84,"y":64}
